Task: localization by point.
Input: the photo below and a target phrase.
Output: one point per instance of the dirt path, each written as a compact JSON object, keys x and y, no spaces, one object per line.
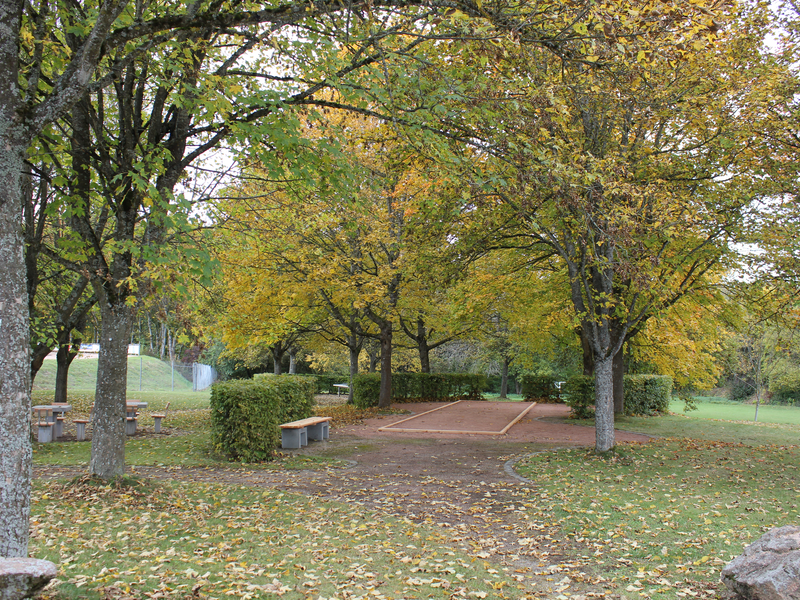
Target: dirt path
{"x":460,"y":482}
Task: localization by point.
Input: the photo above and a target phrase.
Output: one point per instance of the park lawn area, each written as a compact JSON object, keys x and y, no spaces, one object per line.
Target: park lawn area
{"x":718,"y":408}
{"x":154,"y":375}
{"x":778,"y":425}
{"x":218,"y":541}
{"x":660,"y":520}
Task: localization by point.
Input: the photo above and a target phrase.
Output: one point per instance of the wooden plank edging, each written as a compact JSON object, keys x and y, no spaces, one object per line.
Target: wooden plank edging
{"x":419,"y":415}
{"x":519,"y":416}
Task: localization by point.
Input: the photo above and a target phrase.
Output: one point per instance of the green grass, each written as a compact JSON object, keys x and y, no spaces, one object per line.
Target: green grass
{"x":219,"y":541}
{"x":719,"y":408}
{"x":715,"y":421}
{"x":156,"y":376}
{"x":663,"y":518}
{"x":656,"y":520}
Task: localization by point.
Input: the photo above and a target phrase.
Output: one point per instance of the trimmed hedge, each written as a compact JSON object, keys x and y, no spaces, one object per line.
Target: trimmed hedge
{"x":366,"y":390}
{"x":644,"y":395}
{"x":647,"y":394}
{"x":540,"y":387}
{"x":246,"y":414}
{"x":418,"y":387}
{"x":579,"y":396}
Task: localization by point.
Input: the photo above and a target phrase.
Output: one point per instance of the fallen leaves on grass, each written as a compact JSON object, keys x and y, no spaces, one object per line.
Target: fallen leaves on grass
{"x":666,"y":516}
{"x":215,"y":541}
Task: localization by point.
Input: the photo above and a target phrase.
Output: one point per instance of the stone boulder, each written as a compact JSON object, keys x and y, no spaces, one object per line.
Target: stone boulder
{"x":768,"y":569}
{"x":24,"y":577}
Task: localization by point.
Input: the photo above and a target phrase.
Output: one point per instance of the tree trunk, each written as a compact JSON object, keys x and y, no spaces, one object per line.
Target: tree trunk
{"x":385,"y":400}
{"x":374,"y":356}
{"x":108,"y":437}
{"x":618,"y":374}
{"x":277,"y":357}
{"x":66,"y":354}
{"x":292,"y":362}
{"x":424,"y":357}
{"x":604,"y":404}
{"x":163,"y":342}
{"x":588,"y":354}
{"x":37,"y":359}
{"x":424,"y":348}
{"x":15,"y":365}
{"x":355,"y":352}
{"x":504,"y":379}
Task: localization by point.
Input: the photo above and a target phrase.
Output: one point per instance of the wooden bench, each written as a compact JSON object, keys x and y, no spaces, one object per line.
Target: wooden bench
{"x":297,"y":433}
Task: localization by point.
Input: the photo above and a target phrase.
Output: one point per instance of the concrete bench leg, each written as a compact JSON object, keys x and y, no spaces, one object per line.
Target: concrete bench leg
{"x":294,"y":438}
{"x":130,"y":426}
{"x":157,"y":424}
{"x":80,"y":431}
{"x":45,"y":433}
{"x":318,"y":432}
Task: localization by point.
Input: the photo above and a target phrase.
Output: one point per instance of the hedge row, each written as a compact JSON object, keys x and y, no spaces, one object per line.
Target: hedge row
{"x":246,"y":414}
{"x":541,"y":388}
{"x":644,"y":394}
{"x":418,"y":387}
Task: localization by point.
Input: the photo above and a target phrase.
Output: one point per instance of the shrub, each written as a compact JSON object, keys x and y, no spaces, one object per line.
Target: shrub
{"x":540,"y":387}
{"x":246,"y":414}
{"x":647,"y":394}
{"x":741,"y":389}
{"x":644,"y":395}
{"x":578,"y":393}
{"x":366,"y":390}
{"x":419,"y":387}
{"x":785,"y":388}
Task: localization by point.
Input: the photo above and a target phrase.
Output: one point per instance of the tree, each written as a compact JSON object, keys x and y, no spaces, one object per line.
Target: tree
{"x":40,"y":85}
{"x":626,"y":167}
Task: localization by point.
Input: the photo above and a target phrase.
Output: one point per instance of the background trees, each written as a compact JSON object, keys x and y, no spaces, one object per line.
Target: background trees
{"x":625,"y":165}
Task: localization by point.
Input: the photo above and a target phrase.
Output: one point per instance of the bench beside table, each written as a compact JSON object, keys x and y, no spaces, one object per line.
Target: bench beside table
{"x":297,"y":433}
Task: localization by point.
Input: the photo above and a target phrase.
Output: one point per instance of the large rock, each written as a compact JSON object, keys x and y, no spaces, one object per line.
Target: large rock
{"x":769,"y":569}
{"x":23,"y":577}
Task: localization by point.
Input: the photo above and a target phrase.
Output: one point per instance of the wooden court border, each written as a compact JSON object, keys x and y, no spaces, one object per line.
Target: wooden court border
{"x":458,"y":431}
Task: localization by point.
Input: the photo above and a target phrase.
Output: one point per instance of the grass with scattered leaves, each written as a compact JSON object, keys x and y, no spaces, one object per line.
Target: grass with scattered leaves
{"x":719,"y":408}
{"x":214,"y":541}
{"x":145,"y":372}
{"x":711,"y":423}
{"x":659,"y":520}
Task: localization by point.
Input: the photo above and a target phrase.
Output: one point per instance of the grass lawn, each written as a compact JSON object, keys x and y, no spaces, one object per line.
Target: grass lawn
{"x":155,"y":375}
{"x":216,"y":541}
{"x":778,"y":425}
{"x":660,"y":520}
{"x":657,"y":520}
{"x":719,"y":408}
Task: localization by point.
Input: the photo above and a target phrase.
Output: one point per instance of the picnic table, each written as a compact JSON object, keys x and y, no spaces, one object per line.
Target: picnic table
{"x":341,"y":386}
{"x":52,"y":414}
{"x":131,"y":409}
